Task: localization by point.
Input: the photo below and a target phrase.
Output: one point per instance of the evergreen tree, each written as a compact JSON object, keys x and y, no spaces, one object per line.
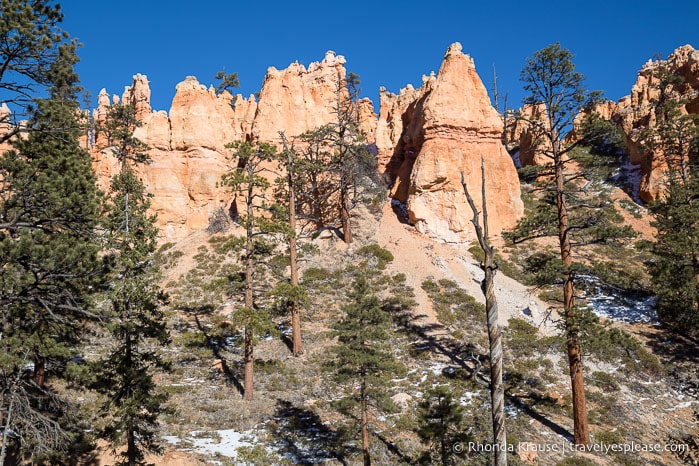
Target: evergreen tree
{"x":133,"y":315}
{"x":336,"y":171}
{"x":441,"y":425}
{"x":30,"y":39}
{"x":362,"y":356}
{"x":229,"y":81}
{"x":247,"y":182}
{"x":315,"y":185}
{"x":292,"y":294}
{"x":48,"y":261}
{"x":674,"y":270}
{"x":572,"y":210}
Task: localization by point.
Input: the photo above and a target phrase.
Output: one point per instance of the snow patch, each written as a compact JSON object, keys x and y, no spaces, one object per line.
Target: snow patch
{"x":628,"y":177}
{"x":223,"y":442}
{"x":616,"y":305}
{"x":624,"y":309}
{"x":686,"y":404}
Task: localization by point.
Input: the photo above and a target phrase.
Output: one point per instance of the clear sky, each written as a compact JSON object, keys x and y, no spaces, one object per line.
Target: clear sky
{"x":388,"y":43}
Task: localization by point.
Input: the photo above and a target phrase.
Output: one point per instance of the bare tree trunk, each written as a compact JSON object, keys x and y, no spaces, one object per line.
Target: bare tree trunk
{"x":296,"y":341}
{"x":581,"y":431}
{"x":495,"y":89}
{"x":344,"y":215}
{"x":8,"y":422}
{"x":365,"y":424}
{"x":497,"y":388}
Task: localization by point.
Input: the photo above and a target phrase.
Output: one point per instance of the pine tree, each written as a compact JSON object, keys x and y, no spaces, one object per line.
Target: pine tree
{"x":576,"y":213}
{"x":337,"y":171}
{"x":315,"y":184}
{"x":292,"y":294}
{"x":362,"y":356}
{"x":134,"y":318}
{"x":30,"y":39}
{"x":674,"y":270}
{"x":441,"y":425}
{"x":247,"y":182}
{"x":48,"y":262}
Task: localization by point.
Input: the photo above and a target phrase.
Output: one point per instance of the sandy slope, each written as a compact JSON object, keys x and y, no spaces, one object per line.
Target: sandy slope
{"x":420,"y":257}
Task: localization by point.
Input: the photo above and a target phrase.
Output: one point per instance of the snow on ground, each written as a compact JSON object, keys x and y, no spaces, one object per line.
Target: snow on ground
{"x":623,"y":309}
{"x":628,"y":177}
{"x":223,"y":442}
{"x":618,"y":306}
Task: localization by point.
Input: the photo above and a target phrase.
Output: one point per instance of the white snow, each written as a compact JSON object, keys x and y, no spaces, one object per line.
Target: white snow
{"x":224,"y":442}
{"x":629,"y":177}
{"x":615,"y":306}
{"x":686,"y":404}
{"x":623,"y":309}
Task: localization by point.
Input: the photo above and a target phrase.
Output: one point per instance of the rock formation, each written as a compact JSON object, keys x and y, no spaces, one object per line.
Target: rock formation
{"x":632,"y":114}
{"x":520,"y":132}
{"x":424,"y":138}
{"x":5,"y":126}
{"x":636,"y":111}
{"x":188,"y":143}
{"x":297,"y":99}
{"x":427,"y":137}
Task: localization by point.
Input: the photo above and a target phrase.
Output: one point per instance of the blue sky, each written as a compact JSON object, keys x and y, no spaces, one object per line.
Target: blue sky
{"x":387,"y":43}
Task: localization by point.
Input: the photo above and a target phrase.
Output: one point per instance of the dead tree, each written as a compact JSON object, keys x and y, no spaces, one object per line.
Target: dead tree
{"x":497,"y":391}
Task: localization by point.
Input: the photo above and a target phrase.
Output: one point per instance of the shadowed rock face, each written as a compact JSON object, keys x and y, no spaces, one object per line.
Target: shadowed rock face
{"x":427,"y":137}
{"x":424,"y":139}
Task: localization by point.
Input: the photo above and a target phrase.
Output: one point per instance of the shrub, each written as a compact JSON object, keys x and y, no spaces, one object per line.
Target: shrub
{"x":609,"y":437}
{"x":383,"y":256}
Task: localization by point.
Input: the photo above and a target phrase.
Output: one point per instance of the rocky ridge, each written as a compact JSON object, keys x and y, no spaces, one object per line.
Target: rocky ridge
{"x":188,"y":142}
{"x":450,"y":125}
{"x":427,"y":137}
{"x":632,"y":113}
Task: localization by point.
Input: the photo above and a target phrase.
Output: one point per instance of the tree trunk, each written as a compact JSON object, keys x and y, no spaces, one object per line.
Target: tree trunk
{"x":248,"y":371}
{"x":581,"y":432}
{"x":131,"y":451}
{"x":8,"y":423}
{"x":497,"y":389}
{"x":344,"y":216}
{"x":296,"y":342}
{"x":39,"y":371}
{"x":365,"y":423}
{"x":248,"y":358}
{"x":317,"y":210}
{"x":249,"y":366}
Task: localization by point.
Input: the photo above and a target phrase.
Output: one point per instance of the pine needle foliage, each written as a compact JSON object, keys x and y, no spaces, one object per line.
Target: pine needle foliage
{"x":49,"y":208}
{"x":441,"y":426}
{"x":674,"y":268}
{"x":133,"y":312}
{"x":362,"y":356}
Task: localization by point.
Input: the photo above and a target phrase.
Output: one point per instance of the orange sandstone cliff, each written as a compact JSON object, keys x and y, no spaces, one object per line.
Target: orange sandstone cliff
{"x":635,"y":112}
{"x":424,"y":138}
